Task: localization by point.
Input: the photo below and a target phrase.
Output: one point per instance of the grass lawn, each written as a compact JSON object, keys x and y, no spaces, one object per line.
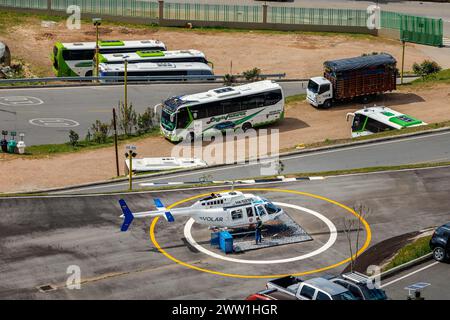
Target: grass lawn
{"x":414,"y":250}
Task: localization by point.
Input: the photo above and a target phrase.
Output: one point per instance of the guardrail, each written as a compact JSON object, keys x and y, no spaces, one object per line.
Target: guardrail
{"x":115,"y":79}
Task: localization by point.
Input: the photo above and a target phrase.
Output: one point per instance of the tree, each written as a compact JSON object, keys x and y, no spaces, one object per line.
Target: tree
{"x":426,"y":68}
{"x":352,"y":225}
{"x":100,"y":131}
{"x":252,"y":74}
{"x":147,"y":121}
{"x":127,"y":118}
{"x":73,"y":138}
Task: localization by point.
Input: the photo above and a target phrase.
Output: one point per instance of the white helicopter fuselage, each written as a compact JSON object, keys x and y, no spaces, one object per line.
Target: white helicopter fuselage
{"x":222,"y":210}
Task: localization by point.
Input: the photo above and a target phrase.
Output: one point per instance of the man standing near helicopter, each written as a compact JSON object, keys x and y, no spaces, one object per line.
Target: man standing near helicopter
{"x":258,"y":229}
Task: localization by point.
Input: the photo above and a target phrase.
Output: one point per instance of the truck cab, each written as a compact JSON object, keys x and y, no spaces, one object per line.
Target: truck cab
{"x":319,"y":92}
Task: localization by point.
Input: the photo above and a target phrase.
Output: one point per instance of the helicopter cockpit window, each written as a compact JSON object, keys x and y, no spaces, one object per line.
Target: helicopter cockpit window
{"x":260,"y":210}
{"x":271,"y":208}
{"x":236,"y":214}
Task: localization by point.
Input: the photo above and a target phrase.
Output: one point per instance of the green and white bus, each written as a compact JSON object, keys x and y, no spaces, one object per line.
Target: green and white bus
{"x":76,"y":59}
{"x":176,"y":71}
{"x":155,"y":56}
{"x":379,"y":119}
{"x":228,"y":108}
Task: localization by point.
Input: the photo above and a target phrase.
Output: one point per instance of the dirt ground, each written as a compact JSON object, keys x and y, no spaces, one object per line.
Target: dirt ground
{"x":299,"y":55}
{"x":303,"y":124}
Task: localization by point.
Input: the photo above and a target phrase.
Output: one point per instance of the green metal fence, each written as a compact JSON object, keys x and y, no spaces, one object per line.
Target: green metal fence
{"x":125,"y":8}
{"x":415,"y":29}
{"x":212,"y":12}
{"x":317,"y":16}
{"x":26,"y":4}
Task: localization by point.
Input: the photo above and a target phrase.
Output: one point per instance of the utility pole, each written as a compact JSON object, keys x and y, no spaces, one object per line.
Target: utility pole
{"x":115,"y":141}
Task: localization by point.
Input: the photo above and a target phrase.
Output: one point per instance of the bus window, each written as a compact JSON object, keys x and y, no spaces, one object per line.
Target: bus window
{"x":200,"y":110}
{"x":376,"y":126}
{"x":78,"y":54}
{"x":182,"y":118}
{"x":214,"y":108}
{"x":231,"y":106}
{"x":358,"y":122}
{"x":249,"y":212}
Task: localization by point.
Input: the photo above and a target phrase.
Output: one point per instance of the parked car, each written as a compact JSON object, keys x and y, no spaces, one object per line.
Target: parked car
{"x":440,"y":243}
{"x":358,"y":284}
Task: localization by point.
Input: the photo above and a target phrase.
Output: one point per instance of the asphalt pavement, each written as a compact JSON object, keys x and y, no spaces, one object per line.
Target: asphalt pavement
{"x":417,"y":149}
{"x":434,"y":273}
{"x":41,"y":237}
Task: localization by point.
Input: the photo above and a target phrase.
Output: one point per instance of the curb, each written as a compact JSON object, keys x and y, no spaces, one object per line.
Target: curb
{"x":391,"y":272}
{"x":229,"y":182}
{"x":286,"y":154}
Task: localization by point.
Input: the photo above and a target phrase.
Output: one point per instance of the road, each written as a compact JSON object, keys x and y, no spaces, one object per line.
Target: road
{"x":432,"y":272}
{"x":418,"y":149}
{"x":41,"y":237}
{"x":81,"y":106}
{"x":46,"y":115}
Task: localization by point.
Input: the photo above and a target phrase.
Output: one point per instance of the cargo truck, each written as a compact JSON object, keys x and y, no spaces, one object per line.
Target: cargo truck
{"x":361,"y":77}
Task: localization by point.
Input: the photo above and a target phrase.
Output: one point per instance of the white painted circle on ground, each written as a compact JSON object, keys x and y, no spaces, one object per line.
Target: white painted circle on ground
{"x":54,"y":123}
{"x":325,"y":247}
{"x":17,"y":101}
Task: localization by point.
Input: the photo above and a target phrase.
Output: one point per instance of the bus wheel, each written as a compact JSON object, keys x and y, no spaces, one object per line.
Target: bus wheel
{"x":246,"y":126}
{"x":88,"y":74}
{"x":327,"y":104}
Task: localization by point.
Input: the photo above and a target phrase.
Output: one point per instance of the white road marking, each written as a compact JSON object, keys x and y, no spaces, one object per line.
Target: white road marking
{"x":54,"y":123}
{"x":18,"y":101}
{"x":410,"y":274}
{"x":246,"y":165}
{"x":325,"y":247}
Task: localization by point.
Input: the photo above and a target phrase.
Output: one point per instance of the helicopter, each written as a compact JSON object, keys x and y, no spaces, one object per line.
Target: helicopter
{"x":232,"y":209}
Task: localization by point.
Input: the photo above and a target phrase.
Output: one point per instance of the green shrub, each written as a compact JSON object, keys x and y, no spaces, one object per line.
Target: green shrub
{"x":426,"y":68}
{"x":252,"y":74}
{"x":100,"y":131}
{"x":73,"y":138}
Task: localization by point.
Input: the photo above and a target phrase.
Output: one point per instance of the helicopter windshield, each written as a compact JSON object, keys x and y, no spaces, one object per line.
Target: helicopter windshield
{"x":271,"y":208}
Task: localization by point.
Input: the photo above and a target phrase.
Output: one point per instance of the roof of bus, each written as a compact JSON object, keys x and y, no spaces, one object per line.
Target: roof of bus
{"x":390,"y":117}
{"x":162,"y":66}
{"x":113,"y":44}
{"x":225,"y":92}
{"x":141,"y":55}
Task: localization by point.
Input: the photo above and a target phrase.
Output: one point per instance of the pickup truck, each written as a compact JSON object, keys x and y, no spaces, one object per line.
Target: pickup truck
{"x":350,"y":286}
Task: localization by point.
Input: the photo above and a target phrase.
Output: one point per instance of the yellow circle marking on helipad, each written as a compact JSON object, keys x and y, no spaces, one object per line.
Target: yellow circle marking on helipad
{"x":243,"y":276}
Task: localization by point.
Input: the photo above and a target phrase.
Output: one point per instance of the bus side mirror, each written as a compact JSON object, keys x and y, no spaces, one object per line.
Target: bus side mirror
{"x":350,"y":115}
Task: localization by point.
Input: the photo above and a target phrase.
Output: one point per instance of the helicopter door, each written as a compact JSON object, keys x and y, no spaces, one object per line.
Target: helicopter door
{"x":250,"y":215}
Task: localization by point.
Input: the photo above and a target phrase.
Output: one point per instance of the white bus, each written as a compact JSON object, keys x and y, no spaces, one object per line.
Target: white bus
{"x":155,"y":56}
{"x":144,"y":69}
{"x":379,"y":119}
{"x":227,"y":108}
{"x":76,"y":59}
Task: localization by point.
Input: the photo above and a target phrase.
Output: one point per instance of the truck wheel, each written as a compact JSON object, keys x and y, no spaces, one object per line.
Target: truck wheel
{"x":246,"y":126}
{"x":327,"y":104}
{"x":439,"y":254}
{"x":365,"y":99}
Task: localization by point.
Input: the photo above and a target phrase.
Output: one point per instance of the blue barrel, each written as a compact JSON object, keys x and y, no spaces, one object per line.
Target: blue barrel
{"x":226,"y":242}
{"x":215,"y":239}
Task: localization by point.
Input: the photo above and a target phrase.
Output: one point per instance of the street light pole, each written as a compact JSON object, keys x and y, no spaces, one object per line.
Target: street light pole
{"x":97,"y":22}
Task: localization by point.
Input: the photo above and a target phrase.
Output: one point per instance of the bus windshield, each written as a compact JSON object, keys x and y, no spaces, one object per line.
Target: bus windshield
{"x":168,"y":120}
